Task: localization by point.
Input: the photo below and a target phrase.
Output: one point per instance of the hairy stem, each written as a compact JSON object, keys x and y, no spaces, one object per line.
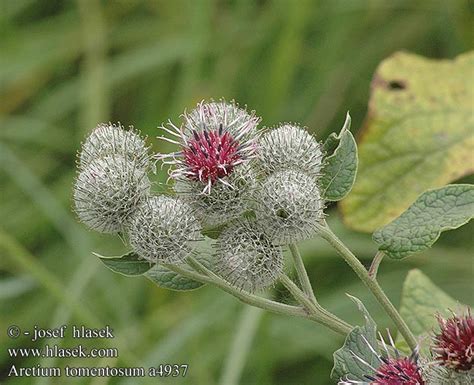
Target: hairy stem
{"x":316,"y":312}
{"x":205,"y":275}
{"x":311,"y":311}
{"x":302,"y":273}
{"x":371,"y":283}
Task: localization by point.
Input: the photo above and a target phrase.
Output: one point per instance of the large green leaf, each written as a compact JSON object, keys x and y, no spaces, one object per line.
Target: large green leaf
{"x":340,"y":168}
{"x":168,"y":279}
{"x":356,"y":357}
{"x":419,"y":135}
{"x":421,"y":224}
{"x":421,"y":301}
{"x":129,"y":264}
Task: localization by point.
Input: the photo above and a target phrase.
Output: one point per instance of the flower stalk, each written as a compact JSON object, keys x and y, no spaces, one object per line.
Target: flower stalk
{"x":316,"y":312}
{"x":370,"y":281}
{"x":374,"y":267}
{"x":310,"y":311}
{"x":302,"y":273}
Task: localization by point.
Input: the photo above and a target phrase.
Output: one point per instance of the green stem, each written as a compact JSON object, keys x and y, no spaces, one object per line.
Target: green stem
{"x":316,"y":312}
{"x":371,"y":283}
{"x":312,"y":311}
{"x":205,"y":275}
{"x":302,"y":273}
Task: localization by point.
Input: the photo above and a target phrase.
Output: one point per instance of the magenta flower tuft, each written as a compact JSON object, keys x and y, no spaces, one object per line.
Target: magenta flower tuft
{"x":454,"y":345}
{"x":397,"y":371}
{"x":211,"y":155}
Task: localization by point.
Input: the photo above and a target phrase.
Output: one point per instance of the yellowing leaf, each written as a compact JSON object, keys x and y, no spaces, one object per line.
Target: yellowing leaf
{"x":419,"y":135}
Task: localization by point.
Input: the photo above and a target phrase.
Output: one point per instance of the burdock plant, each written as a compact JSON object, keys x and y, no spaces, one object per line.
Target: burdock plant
{"x":252,"y":194}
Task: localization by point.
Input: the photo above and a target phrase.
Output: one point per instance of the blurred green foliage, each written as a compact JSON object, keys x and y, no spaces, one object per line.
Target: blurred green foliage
{"x":65,"y":66}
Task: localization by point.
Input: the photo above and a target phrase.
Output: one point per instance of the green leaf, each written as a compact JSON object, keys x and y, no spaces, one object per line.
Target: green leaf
{"x":168,"y":279}
{"x":340,"y":168}
{"x":357,"y":344}
{"x":128,"y":264}
{"x":419,"y":134}
{"x":420,"y":226}
{"x":421,"y":301}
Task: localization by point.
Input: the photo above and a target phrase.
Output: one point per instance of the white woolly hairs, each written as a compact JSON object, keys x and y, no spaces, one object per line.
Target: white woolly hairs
{"x":209,"y":116}
{"x":107,"y":192}
{"x":109,"y":139}
{"x":163,"y":229}
{"x":224,"y":201}
{"x":288,"y":206}
{"x":289,"y":147}
{"x":246,"y":258}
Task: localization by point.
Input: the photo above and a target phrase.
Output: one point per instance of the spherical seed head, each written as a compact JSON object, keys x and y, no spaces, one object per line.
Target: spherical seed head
{"x":289,"y":147}
{"x":163,"y":229}
{"x":288,"y":206}
{"x":109,"y":139}
{"x":225,"y":201}
{"x":107,"y":191}
{"x":398,"y":371}
{"x":215,"y":139}
{"x":246,"y":258}
{"x":454,"y":344}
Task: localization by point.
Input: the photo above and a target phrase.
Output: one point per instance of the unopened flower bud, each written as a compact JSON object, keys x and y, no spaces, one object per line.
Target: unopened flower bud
{"x":289,"y":207}
{"x":289,"y":147}
{"x":247,"y":258}
{"x":163,"y":229}
{"x":109,"y":139}
{"x":108,"y":191}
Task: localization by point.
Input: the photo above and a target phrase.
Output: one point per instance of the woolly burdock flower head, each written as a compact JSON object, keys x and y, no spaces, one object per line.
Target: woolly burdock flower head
{"x":288,"y":206}
{"x":163,"y":229}
{"x":225,"y":201}
{"x":392,"y":367}
{"x":215,"y":138}
{"x":108,"y":191}
{"x":453,"y":346}
{"x":109,"y":139}
{"x":289,"y":147}
{"x":246,"y":258}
